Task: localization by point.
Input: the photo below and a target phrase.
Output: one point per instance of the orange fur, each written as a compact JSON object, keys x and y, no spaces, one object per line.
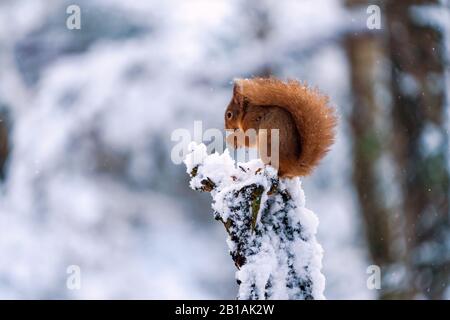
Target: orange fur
{"x":314,"y":118}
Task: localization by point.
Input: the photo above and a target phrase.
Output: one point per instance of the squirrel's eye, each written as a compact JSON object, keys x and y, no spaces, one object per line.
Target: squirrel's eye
{"x":229,"y":114}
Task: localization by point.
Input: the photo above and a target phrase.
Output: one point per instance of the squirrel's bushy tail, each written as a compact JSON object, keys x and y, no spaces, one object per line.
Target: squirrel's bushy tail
{"x":314,"y":118}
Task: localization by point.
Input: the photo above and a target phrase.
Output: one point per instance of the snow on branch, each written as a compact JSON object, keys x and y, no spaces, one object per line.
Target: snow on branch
{"x":271,"y":235}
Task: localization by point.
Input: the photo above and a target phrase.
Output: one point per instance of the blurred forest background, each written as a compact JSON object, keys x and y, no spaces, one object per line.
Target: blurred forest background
{"x":86,"y":117}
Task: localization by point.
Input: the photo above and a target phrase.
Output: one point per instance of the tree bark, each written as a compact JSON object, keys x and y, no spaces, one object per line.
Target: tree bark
{"x":4,"y":142}
{"x":368,"y":120}
{"x":271,"y":235}
{"x":417,"y":71}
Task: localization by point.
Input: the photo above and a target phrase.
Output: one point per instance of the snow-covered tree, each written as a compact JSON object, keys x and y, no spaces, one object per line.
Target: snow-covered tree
{"x":88,"y":179}
{"x":271,"y":235}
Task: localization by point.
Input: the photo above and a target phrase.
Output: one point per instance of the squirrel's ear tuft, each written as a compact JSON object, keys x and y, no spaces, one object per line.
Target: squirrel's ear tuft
{"x":237,"y":93}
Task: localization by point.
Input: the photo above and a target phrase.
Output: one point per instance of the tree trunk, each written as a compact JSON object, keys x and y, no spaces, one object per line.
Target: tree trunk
{"x":369,"y":124}
{"x":421,"y":144}
{"x":271,"y":235}
{"x":4,"y":143}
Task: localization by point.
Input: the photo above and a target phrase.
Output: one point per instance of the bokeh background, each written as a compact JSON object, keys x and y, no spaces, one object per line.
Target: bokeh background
{"x":86,"y":118}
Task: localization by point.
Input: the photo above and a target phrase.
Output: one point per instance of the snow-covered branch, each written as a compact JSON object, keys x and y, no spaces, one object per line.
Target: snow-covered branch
{"x":271,"y":235}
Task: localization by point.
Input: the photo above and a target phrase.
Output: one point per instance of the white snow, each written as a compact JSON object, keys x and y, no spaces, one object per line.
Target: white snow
{"x":89,"y":180}
{"x":283,"y":241}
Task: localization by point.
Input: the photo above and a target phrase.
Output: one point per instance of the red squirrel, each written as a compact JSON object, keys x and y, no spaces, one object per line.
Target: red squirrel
{"x":305,"y":121}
